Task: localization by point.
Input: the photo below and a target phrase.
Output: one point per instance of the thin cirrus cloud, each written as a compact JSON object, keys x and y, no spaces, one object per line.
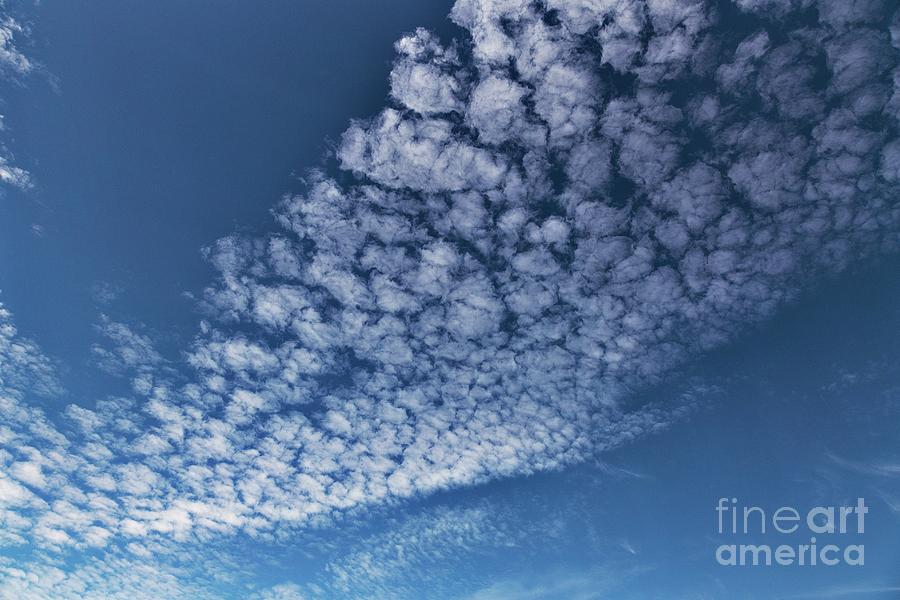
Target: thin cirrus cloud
{"x":560,"y":207}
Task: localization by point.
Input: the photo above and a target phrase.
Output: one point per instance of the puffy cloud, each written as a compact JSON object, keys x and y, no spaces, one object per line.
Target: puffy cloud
{"x":423,"y":78}
{"x":282,"y":591}
{"x":22,"y":365}
{"x":131,"y":350}
{"x":403,"y":151}
{"x":13,"y":175}
{"x":11,"y":58}
{"x":116,"y":576}
{"x":552,"y":225}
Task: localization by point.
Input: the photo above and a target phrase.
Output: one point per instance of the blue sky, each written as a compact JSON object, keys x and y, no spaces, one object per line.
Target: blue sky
{"x":357,"y":300}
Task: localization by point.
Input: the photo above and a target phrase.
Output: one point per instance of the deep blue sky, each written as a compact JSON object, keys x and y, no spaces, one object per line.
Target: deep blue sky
{"x":153,"y":129}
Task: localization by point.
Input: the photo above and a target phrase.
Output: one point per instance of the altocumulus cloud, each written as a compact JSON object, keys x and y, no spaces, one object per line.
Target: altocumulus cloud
{"x":553,"y":211}
{"x":550,"y":213}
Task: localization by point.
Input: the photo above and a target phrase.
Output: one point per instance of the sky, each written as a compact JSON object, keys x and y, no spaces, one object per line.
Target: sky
{"x":485,"y":299}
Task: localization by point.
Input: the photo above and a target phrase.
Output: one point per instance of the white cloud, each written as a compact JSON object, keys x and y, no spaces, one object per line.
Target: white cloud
{"x":588,"y":584}
{"x":131,"y":350}
{"x":13,"y":63}
{"x":115,"y":577}
{"x":516,"y":272}
{"x":282,"y":591}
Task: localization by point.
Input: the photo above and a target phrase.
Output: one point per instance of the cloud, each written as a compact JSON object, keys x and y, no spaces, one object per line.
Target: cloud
{"x":13,"y":64}
{"x":11,"y":58}
{"x":12,"y":175}
{"x":130,"y":350}
{"x":282,"y":591}
{"x":105,"y":292}
{"x":114,"y":577}
{"x":878,"y":469}
{"x":422,"y":551}
{"x":592,"y":584}
{"x":22,"y":365}
{"x":863,"y":590}
{"x":399,"y":554}
{"x":552,"y":213}
{"x":540,"y":224}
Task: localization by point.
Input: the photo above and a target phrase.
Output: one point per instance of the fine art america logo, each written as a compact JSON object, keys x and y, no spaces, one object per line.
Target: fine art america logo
{"x":827,"y":528}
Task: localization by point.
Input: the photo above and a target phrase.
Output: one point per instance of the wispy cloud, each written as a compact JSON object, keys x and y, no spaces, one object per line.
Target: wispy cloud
{"x":872,"y":468}
{"x":575,"y":585}
{"x":861,"y":590}
{"x":892,"y":501}
{"x":13,"y":63}
{"x":617,"y":471}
